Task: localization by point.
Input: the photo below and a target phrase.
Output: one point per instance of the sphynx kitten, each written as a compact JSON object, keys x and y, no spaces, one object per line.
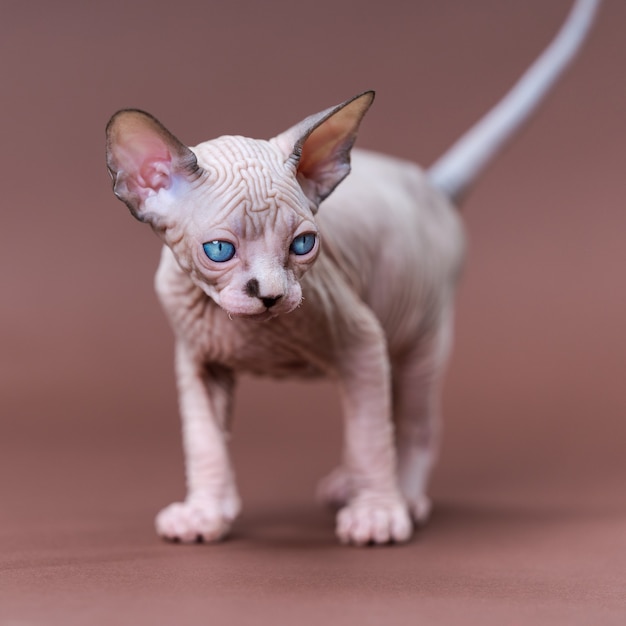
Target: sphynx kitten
{"x":254,"y":279}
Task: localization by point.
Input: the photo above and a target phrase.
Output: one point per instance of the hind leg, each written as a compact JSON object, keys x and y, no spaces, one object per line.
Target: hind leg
{"x":417,"y":381}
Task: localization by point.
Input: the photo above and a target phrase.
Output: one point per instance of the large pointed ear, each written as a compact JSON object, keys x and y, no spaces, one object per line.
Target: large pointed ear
{"x":143,"y":157}
{"x":320,"y":145}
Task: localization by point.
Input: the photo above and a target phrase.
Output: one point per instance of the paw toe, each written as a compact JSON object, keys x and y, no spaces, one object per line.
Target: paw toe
{"x":374,"y":522}
{"x":190,"y":523}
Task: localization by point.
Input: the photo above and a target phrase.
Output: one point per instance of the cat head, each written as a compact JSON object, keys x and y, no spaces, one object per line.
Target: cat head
{"x":238,"y":213}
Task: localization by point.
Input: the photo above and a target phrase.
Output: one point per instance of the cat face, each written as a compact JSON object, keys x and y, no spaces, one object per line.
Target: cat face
{"x":249,"y":232}
{"x":238,"y":213}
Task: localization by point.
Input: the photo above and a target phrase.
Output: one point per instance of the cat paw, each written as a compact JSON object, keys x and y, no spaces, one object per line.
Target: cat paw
{"x":374,"y":520}
{"x":335,"y":490}
{"x":194,"y":521}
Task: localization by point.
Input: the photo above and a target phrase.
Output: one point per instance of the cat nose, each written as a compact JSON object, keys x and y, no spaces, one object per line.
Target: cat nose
{"x":271,"y":301}
{"x":253,"y":290}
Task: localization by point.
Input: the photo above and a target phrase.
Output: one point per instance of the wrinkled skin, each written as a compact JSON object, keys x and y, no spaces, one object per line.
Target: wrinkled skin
{"x":253,"y":279}
{"x":368,"y":304}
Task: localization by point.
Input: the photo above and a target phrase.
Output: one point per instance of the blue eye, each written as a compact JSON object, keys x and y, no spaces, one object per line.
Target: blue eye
{"x":219,"y":251}
{"x":303,"y":244}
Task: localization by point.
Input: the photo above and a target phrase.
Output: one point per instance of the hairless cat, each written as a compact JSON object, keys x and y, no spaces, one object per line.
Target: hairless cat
{"x":253,"y":279}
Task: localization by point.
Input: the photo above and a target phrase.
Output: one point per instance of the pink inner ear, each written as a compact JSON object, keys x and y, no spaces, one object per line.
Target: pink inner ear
{"x":147,"y":161}
{"x":322,"y":148}
{"x":155,"y":175}
{"x":325,"y":159}
{"x":143,"y":158}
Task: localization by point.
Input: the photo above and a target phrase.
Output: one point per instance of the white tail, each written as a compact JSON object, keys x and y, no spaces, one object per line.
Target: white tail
{"x":457,"y":169}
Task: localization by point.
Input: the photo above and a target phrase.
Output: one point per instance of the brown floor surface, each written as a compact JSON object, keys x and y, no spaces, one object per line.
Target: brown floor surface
{"x":530,"y":519}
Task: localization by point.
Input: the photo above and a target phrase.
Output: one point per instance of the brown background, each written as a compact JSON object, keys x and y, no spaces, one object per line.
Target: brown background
{"x":530,"y":524}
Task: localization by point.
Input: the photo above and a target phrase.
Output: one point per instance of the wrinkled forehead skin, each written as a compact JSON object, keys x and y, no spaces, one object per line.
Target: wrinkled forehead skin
{"x":250,"y":185}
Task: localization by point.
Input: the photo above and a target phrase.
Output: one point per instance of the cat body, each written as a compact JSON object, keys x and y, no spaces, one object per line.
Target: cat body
{"x":367,"y":255}
{"x":256,"y":277}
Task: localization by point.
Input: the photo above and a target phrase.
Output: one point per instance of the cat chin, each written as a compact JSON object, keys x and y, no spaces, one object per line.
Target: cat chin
{"x":264,"y":316}
{"x":261,"y":316}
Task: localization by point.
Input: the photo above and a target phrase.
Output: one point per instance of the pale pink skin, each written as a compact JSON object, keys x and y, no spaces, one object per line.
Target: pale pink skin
{"x":370,"y":306}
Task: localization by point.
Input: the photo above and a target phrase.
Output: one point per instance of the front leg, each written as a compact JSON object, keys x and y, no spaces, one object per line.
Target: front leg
{"x":212,"y":502}
{"x":376,"y":511}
